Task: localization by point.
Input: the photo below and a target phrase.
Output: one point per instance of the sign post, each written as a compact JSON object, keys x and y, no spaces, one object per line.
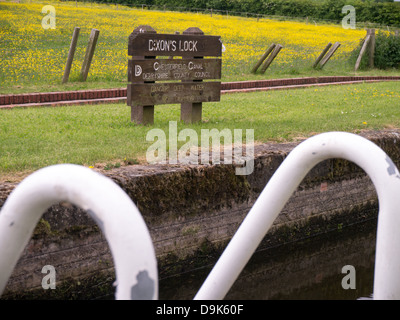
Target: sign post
{"x":191,"y":112}
{"x":140,"y":114}
{"x":144,"y":69}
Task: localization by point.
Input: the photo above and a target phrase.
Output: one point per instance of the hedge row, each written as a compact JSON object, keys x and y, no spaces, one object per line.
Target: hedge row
{"x":384,"y":13}
{"x":387,"y":52}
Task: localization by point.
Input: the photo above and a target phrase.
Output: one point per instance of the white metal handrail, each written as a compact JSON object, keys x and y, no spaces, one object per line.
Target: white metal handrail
{"x":119,"y":219}
{"x":375,"y":162}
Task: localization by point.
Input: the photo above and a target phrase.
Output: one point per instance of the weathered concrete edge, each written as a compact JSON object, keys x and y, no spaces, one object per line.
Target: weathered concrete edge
{"x":193,"y":199}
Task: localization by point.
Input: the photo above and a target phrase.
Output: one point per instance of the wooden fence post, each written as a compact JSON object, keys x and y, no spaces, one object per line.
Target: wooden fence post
{"x":323,"y":53}
{"x":271,"y":58}
{"x":192,"y":112}
{"x":362,"y":51}
{"x":71,"y":54}
{"x":330,"y":54}
{"x":141,"y":114}
{"x":263,"y":57}
{"x":89,"y":53}
{"x":371,"y":47}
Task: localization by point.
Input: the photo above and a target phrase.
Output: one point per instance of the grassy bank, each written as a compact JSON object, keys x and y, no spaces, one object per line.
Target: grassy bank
{"x":103,"y":136}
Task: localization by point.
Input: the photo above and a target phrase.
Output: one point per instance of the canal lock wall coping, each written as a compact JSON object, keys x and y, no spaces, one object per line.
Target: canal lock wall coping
{"x":192,"y":212}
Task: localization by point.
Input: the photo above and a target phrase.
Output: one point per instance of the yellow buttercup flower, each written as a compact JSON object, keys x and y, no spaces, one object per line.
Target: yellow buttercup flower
{"x":43,"y":57}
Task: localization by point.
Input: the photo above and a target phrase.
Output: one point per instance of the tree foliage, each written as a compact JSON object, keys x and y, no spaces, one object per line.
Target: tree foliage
{"x":379,"y":12}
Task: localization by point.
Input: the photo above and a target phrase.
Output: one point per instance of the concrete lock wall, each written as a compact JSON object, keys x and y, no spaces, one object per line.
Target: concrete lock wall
{"x":192,"y":212}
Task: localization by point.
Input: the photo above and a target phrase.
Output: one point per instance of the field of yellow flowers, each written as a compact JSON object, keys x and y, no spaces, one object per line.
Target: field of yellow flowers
{"x":32,"y":54}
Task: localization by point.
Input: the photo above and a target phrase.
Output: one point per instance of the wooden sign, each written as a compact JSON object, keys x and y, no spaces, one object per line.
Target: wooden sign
{"x":145,"y":45}
{"x":158,"y":44}
{"x":170,"y":93}
{"x":173,"y":69}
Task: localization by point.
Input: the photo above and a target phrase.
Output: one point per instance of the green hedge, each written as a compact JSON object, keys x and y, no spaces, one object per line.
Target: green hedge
{"x":386,"y":55}
{"x":387,"y":51}
{"x":384,"y":13}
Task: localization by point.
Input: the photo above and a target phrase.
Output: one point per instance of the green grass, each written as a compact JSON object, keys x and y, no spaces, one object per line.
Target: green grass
{"x":103,"y":136}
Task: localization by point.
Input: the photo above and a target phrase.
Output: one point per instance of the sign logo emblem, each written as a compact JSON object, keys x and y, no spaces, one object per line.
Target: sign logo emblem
{"x":138,"y":70}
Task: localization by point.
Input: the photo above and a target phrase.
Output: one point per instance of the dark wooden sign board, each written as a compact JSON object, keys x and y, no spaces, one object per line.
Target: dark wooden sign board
{"x":144,"y":69}
{"x":170,"y":93}
{"x":173,"y":69}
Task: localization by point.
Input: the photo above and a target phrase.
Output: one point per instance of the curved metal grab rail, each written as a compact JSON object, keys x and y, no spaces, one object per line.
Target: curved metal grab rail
{"x":284,"y":182}
{"x":124,"y":228}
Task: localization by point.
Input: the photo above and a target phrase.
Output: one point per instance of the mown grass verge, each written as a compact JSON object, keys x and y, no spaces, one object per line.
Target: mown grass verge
{"x":103,"y":136}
